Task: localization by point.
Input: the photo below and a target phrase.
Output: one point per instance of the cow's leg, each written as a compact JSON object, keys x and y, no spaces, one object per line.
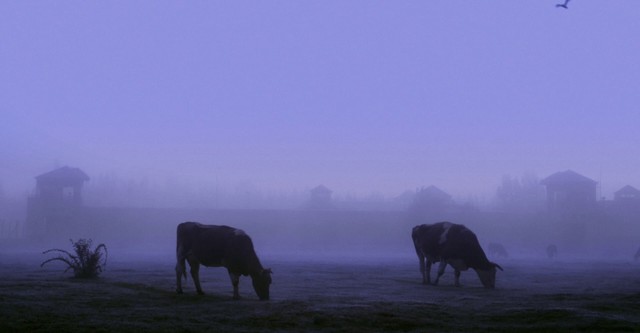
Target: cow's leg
{"x":441,"y":267}
{"x":179,"y":273}
{"x":457,"y":274}
{"x":181,"y":269}
{"x":235,"y":281}
{"x":426,"y":279}
{"x":195,"y":274}
{"x":422,"y":268}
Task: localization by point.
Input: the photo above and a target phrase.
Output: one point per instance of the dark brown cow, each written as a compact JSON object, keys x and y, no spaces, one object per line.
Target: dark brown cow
{"x":219,"y":246}
{"x":455,"y":245}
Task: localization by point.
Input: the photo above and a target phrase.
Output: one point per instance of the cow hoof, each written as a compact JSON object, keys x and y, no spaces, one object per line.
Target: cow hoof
{"x":200,"y":292}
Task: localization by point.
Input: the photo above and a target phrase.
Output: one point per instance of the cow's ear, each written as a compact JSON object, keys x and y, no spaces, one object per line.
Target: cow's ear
{"x":497,"y":266}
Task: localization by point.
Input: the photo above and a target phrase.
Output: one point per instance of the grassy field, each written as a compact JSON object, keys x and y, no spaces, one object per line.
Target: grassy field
{"x":312,"y":295}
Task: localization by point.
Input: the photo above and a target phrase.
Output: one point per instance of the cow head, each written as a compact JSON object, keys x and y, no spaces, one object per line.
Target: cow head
{"x":488,"y":276}
{"x":261,"y":283}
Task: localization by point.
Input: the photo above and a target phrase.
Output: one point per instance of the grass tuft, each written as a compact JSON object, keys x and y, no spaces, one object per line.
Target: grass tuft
{"x":86,"y":263}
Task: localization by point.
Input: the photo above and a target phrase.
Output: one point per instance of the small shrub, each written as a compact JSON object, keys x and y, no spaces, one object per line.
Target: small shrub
{"x":85,"y":263}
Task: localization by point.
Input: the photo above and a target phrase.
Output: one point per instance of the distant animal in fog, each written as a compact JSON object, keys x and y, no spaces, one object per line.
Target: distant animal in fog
{"x":497,"y":250}
{"x":216,"y":246}
{"x":564,"y":5}
{"x":637,"y":256}
{"x":552,"y":251}
{"x":455,"y":245}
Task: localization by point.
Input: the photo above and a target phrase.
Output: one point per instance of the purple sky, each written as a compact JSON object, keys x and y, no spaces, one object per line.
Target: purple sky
{"x":361,"y":96}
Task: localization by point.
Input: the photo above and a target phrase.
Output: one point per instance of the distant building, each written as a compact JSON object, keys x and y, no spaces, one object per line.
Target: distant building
{"x":569,"y":191}
{"x":432,"y":195}
{"x":626,"y":201}
{"x":404,"y":200}
{"x":320,"y":198}
{"x":430,"y":202}
{"x":61,"y":187}
{"x":627,"y":194}
{"x":57,"y":197}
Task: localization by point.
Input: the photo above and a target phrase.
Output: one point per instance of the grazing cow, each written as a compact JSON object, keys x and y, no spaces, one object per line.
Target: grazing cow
{"x":552,"y":251}
{"x":455,"y":245}
{"x":216,"y":246}
{"x":497,"y":250}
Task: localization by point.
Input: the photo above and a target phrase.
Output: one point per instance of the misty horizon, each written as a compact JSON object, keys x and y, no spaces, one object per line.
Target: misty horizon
{"x":111,"y":190}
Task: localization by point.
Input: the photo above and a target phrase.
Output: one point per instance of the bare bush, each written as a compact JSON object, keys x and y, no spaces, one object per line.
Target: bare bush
{"x":86,"y":263}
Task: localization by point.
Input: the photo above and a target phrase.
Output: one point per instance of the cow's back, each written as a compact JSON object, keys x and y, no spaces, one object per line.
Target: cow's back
{"x":241,"y":257}
{"x":214,"y":245}
{"x":462,"y":243}
{"x":207,"y":243}
{"x":428,"y":239}
{"x":446,"y":240}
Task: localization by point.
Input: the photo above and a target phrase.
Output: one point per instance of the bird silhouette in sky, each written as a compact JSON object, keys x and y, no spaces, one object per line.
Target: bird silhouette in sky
{"x":564,"y":5}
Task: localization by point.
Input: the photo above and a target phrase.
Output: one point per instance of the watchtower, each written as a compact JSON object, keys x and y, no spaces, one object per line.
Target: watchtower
{"x":56,"y":200}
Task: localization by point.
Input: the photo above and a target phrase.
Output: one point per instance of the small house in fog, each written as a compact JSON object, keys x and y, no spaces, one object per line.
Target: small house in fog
{"x":432,"y":195}
{"x":320,"y":198}
{"x":569,"y":191}
{"x":61,"y":187}
{"x":57,"y":197}
{"x":627,"y":194}
{"x":430,"y":202}
{"x":404,"y":200}
{"x":627,"y":199}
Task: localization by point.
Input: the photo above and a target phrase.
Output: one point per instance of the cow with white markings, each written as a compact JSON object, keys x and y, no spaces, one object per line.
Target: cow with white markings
{"x":454,"y":245}
{"x":219,"y":246}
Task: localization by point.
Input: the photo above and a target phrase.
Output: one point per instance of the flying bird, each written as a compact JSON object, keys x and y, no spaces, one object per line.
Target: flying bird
{"x":564,"y":5}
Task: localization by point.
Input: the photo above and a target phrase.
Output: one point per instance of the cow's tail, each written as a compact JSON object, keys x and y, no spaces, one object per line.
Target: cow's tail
{"x":416,"y":240}
{"x":181,"y":267}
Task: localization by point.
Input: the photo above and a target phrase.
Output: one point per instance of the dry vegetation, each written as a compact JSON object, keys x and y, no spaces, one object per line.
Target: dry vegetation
{"x":85,"y":263}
